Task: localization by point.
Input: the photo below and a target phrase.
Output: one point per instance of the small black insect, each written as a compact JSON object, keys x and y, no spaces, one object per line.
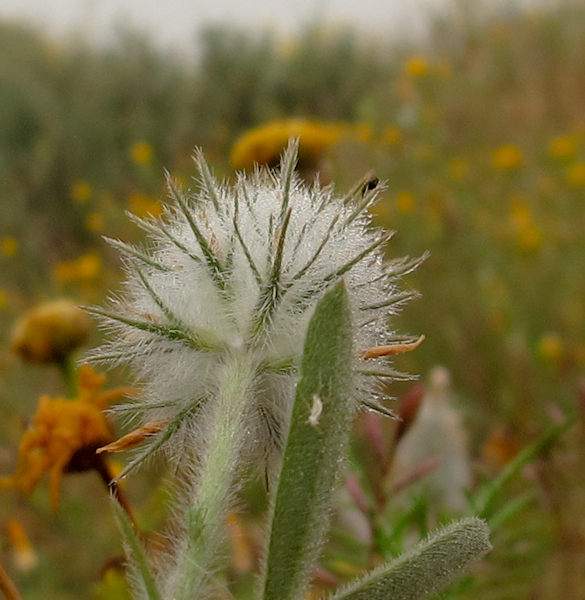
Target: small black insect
{"x":370,"y":184}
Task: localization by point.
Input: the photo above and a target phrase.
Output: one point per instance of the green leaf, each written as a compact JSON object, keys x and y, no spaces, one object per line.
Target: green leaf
{"x":426,"y":569}
{"x":486,"y":495}
{"x":510,"y":510}
{"x":139,"y":567}
{"x":314,"y":451}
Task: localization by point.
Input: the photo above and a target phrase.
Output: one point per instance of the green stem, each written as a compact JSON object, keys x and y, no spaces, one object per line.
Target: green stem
{"x":67,"y":368}
{"x":205,"y":517}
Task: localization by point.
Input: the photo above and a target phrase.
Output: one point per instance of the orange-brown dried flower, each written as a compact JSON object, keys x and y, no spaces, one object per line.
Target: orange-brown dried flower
{"x":50,"y":332}
{"x":64,"y":435}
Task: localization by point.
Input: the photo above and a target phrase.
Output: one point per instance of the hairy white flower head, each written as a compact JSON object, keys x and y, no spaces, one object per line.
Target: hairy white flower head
{"x":234,"y":273}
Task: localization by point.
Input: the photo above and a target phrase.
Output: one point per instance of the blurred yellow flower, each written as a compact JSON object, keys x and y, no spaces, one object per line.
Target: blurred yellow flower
{"x":528,"y":233}
{"x":562,"y":147}
{"x":416,"y":66}
{"x":94,"y":221}
{"x":64,"y":435}
{"x":80,"y":191}
{"x":576,"y":174}
{"x":391,"y":135}
{"x":550,"y":347}
{"x":530,"y":238}
{"x":8,"y":246}
{"x":141,"y":153}
{"x":3,"y":299}
{"x":143,"y":206}
{"x":263,"y":145}
{"x":50,"y":332}
{"x":507,"y":157}
{"x":86,"y":268}
{"x":405,"y":202}
{"x":521,"y":214}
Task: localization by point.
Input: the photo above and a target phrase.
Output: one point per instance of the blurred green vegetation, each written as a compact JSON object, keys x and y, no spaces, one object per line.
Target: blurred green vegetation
{"x":479,"y":131}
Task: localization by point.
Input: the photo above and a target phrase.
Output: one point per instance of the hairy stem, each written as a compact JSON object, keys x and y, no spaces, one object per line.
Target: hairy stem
{"x":205,"y":517}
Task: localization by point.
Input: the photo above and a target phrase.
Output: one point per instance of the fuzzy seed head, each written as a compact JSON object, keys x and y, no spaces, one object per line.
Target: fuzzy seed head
{"x":236,"y":271}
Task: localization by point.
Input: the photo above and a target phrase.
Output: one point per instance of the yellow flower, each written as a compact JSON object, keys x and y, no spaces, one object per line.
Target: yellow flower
{"x":80,"y":191}
{"x":263,"y":145}
{"x":64,"y":435}
{"x":416,"y":66}
{"x":391,"y":135}
{"x":562,"y":147}
{"x":50,"y":332}
{"x":405,"y":202}
{"x":576,"y":174}
{"x":507,"y":157}
{"x":86,"y":268}
{"x":521,"y":215}
{"x":143,"y":206}
{"x":3,"y":299}
{"x":141,"y":153}
{"x":8,"y":246}
{"x":550,"y":347}
{"x":94,"y":221}
{"x":528,"y":233}
{"x":530,"y":238}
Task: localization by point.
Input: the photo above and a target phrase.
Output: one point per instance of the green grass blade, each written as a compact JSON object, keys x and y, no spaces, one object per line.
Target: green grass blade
{"x":139,"y":567}
{"x":484,"y":498}
{"x":314,"y":450}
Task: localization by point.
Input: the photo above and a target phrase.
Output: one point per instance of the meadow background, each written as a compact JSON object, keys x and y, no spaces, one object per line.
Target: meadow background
{"x":479,"y":132}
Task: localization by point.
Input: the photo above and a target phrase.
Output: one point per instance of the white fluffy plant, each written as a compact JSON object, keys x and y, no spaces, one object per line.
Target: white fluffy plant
{"x":257,"y":322}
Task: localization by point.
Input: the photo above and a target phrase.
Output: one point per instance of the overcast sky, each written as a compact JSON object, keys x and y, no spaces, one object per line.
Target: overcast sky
{"x":172,"y":23}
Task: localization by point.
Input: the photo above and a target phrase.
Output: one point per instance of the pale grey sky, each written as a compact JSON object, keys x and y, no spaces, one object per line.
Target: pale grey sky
{"x":172,"y":23}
